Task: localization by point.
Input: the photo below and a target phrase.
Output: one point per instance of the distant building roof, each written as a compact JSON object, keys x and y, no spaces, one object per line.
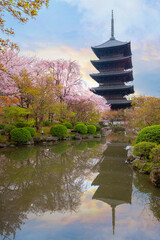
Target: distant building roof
{"x":119,"y":101}
{"x":114,"y":87}
{"x":111,"y":43}
{"x":111,"y":59}
{"x":111,"y":73}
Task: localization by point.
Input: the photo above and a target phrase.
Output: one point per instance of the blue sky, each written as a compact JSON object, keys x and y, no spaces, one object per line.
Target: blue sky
{"x":68,"y":29}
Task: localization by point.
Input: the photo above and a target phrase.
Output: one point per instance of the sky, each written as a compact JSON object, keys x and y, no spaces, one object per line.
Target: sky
{"x":68,"y":28}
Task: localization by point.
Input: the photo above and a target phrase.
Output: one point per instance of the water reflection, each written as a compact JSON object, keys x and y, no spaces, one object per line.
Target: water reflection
{"x":46,"y":192}
{"x":40,"y":179}
{"x":114,"y":179}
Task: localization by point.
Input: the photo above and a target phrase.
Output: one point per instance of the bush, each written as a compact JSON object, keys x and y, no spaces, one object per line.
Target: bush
{"x":2,"y":125}
{"x":91,"y":129}
{"x":20,"y":124}
{"x":68,"y":125}
{"x":9,"y":127}
{"x":143,"y":149}
{"x":31,"y":130}
{"x":20,"y":135}
{"x":149,"y":134}
{"x":81,"y":128}
{"x":59,"y":131}
{"x":98,"y":128}
{"x":155,"y":154}
{"x":46,"y":123}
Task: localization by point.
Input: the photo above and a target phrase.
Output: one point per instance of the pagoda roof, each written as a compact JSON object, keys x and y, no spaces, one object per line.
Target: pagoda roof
{"x":113,"y":87}
{"x":115,"y":73}
{"x":119,"y":102}
{"x":111,"y":59}
{"x":111,"y":43}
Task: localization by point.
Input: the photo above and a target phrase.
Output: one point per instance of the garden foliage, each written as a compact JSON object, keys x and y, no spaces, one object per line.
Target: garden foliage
{"x":149,"y":134}
{"x":155,"y":154}
{"x":20,"y":135}
{"x":68,"y":125}
{"x":2,"y":125}
{"x":9,"y":127}
{"x":143,"y":149}
{"x":91,"y":129}
{"x":81,"y":128}
{"x":31,"y":130}
{"x":59,"y":131}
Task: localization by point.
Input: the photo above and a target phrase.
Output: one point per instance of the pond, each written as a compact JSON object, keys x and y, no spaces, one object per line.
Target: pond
{"x":75,"y":190}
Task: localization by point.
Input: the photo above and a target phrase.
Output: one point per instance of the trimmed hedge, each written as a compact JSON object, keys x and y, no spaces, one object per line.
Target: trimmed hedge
{"x":2,"y":125}
{"x":59,"y":131}
{"x":9,"y":127}
{"x":149,"y":134}
{"x":31,"y":130}
{"x":91,"y":129}
{"x":81,"y":128}
{"x":143,"y":149}
{"x":20,"y":124}
{"x":155,"y":154}
{"x":20,"y":135}
{"x":68,"y":125}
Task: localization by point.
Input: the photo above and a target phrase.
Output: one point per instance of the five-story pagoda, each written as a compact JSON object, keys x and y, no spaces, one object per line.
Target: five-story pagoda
{"x":115,"y":69}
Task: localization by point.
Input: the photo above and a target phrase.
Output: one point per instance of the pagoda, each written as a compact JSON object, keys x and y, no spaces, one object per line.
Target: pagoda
{"x":114,"y":180}
{"x":115,"y":69}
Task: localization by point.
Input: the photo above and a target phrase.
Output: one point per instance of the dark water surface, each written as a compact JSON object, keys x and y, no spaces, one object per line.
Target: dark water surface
{"x":75,"y":191}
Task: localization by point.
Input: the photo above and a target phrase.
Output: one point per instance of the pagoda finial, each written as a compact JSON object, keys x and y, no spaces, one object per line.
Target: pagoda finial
{"x":112,"y":28}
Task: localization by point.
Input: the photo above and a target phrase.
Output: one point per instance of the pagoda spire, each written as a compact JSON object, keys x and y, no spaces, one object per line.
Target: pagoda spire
{"x":112,"y":27}
{"x":113,"y":219}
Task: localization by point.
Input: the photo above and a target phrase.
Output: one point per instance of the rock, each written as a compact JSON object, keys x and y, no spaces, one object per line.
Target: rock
{"x":30,"y":142}
{"x":89,"y":137}
{"x":130,"y":157}
{"x":68,"y":139}
{"x":104,"y":131}
{"x":78,"y":136}
{"x":3,"y":145}
{"x":84,"y":136}
{"x":97,"y":136}
{"x":155,"y":177}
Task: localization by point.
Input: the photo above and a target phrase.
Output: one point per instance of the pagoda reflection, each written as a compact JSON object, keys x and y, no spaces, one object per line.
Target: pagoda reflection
{"x":114,"y":179}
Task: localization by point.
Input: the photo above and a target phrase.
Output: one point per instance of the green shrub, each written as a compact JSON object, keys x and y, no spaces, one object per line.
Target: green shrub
{"x":91,"y":129}
{"x":31,"y":130}
{"x":143,"y":149}
{"x":68,"y":125}
{"x":20,"y":124}
{"x":149,"y":134}
{"x":20,"y":135}
{"x":59,"y":131}
{"x":98,"y":128}
{"x":46,"y":123}
{"x":155,"y":154}
{"x":9,"y":127}
{"x":2,"y":125}
{"x":81,"y":128}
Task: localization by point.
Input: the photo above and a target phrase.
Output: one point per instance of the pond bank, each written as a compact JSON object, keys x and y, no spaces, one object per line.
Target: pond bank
{"x":49,"y":139}
{"x":144,"y":167}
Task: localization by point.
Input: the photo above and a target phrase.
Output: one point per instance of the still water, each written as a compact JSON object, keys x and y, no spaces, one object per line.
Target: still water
{"x":75,"y":191}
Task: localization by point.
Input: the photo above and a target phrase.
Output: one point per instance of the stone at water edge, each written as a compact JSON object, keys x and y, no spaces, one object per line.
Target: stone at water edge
{"x":155,"y":177}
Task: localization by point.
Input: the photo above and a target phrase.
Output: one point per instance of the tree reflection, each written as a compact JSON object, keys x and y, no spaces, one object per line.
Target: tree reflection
{"x":40,"y":179}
